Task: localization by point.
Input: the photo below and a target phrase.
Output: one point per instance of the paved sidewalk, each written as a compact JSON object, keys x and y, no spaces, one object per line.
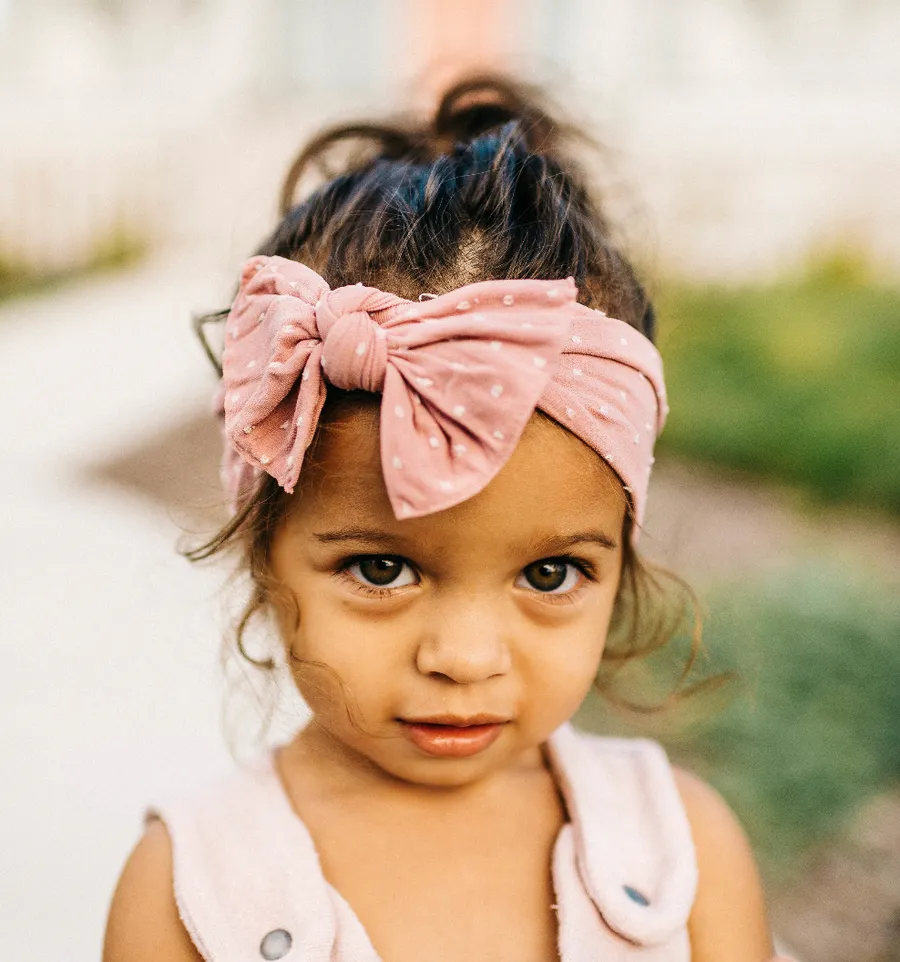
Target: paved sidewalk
{"x":109,"y":639}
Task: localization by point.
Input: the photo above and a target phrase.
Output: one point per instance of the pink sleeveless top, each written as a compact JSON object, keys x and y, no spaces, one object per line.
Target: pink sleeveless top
{"x":248,"y":883}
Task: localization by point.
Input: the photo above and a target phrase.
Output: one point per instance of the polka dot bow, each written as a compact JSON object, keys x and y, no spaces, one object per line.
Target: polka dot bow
{"x":460,"y":375}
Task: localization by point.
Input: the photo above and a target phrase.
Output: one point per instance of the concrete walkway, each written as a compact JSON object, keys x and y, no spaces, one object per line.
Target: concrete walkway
{"x":109,"y":638}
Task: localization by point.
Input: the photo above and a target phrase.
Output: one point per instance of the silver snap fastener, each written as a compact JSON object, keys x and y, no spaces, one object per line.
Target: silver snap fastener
{"x":635,"y":895}
{"x":276,"y":944}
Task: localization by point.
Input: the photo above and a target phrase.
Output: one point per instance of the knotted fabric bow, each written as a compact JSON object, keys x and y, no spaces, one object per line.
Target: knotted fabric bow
{"x":460,"y":375}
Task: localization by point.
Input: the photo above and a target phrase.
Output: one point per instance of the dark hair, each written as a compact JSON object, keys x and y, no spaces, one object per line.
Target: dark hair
{"x":483,"y":189}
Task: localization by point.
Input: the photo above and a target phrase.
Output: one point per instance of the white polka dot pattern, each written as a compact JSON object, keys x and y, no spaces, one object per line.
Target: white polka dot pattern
{"x":458,"y":386}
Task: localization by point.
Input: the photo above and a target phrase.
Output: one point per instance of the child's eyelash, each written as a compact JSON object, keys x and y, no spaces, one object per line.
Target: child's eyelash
{"x":372,"y":591}
{"x":587,"y":568}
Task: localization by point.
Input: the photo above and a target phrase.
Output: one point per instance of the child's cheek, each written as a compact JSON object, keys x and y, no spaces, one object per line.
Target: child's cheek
{"x":332,"y":656}
{"x":322,"y":669}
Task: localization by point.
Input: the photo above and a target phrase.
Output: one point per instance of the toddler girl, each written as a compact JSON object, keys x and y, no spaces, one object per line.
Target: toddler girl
{"x":440,"y":398}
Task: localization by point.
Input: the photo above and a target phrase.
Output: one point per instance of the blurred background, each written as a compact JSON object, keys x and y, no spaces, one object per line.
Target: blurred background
{"x":752,"y":154}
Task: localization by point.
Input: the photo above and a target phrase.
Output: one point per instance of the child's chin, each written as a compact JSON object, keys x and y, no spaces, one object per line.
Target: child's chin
{"x":437,"y":772}
{"x":447,"y":777}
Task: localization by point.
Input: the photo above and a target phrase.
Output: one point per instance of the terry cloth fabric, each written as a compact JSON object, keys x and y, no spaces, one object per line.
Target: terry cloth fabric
{"x":247,"y":875}
{"x":460,"y":375}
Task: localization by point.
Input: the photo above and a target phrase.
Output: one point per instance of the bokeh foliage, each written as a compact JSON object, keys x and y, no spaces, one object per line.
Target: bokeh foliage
{"x":798,"y":380}
{"x":120,"y":249}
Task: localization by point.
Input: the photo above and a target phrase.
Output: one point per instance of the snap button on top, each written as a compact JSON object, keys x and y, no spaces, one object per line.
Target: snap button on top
{"x":635,"y":895}
{"x":275,"y":945}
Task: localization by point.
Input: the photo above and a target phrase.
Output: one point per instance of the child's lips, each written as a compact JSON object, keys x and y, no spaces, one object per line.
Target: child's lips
{"x":449,"y":736}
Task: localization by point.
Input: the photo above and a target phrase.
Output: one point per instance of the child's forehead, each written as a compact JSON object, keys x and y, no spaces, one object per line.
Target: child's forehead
{"x":552,"y":480}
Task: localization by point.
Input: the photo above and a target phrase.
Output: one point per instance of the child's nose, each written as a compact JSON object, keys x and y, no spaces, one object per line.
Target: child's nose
{"x":465,"y":642}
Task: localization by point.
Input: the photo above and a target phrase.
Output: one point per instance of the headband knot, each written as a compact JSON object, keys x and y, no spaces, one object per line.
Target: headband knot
{"x":354,"y":346}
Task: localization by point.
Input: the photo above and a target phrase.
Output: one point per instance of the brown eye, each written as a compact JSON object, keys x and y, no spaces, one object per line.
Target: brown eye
{"x":382,"y":571}
{"x":549,"y":576}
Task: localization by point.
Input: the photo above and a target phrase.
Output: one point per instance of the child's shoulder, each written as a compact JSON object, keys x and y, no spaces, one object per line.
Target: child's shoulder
{"x":728,"y":919}
{"x":144,"y":924}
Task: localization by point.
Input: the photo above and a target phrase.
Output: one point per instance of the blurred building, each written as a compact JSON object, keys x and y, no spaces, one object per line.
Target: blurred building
{"x":743,"y":133}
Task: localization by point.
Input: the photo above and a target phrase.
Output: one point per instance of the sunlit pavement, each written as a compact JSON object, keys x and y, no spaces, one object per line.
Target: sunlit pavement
{"x":110,"y":694}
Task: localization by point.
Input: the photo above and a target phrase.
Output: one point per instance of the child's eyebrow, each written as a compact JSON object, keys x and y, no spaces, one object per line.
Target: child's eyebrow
{"x":549,"y":545}
{"x":357,"y":534}
{"x":558,"y":543}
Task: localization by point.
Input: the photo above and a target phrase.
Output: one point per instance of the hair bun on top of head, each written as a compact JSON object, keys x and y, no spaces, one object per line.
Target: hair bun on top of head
{"x":482,"y":103}
{"x":468,"y":109}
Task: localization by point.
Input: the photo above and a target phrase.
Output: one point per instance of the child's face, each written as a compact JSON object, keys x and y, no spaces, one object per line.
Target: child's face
{"x":499,"y":606}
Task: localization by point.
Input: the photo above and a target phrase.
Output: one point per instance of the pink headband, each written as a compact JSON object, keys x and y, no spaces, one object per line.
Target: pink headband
{"x":460,"y":376}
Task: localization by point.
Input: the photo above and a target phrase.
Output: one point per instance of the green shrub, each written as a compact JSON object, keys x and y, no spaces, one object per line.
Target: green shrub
{"x":797,"y":381}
